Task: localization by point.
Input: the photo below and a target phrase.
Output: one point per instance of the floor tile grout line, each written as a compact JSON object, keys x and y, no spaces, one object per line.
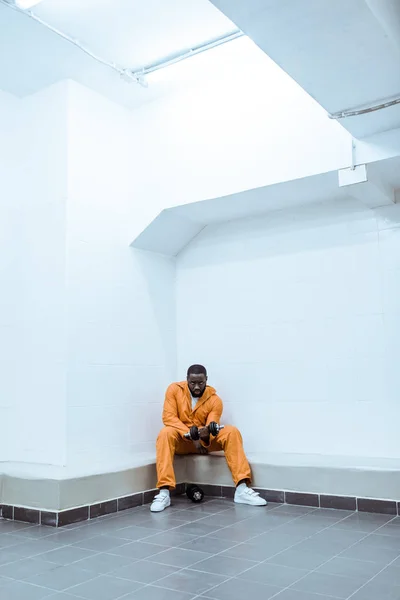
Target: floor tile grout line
{"x":201,"y":519}
{"x":35,"y":555}
{"x":51,"y":592}
{"x":313,"y":570}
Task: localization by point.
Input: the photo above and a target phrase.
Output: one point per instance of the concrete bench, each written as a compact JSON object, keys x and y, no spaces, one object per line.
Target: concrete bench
{"x":310,"y":473}
{"x":334,"y":481}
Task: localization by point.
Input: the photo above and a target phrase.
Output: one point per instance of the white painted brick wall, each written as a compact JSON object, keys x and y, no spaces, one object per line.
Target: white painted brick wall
{"x":296,"y":315}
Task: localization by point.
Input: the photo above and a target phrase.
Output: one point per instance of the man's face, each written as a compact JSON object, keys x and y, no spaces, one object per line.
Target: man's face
{"x":197,"y":384}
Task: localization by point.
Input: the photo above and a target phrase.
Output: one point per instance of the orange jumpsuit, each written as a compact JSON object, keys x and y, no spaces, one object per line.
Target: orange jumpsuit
{"x":178,"y":417}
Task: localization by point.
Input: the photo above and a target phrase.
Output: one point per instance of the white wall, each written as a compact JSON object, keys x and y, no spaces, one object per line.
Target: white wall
{"x":121,"y":303}
{"x":8,"y":259}
{"x":34,"y":201}
{"x":296,"y":315}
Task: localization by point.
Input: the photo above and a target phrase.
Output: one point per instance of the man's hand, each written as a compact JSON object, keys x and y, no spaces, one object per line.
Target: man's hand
{"x":200,"y":449}
{"x":204,"y":434}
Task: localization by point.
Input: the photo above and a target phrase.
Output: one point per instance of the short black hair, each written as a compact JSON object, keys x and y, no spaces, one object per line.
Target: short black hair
{"x":197,"y":370}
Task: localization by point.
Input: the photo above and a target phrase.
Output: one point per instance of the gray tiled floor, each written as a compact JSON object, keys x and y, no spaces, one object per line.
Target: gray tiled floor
{"x":216,"y":550}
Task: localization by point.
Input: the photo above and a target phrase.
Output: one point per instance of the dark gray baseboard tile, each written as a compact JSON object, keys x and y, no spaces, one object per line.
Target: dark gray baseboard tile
{"x":83,"y":513}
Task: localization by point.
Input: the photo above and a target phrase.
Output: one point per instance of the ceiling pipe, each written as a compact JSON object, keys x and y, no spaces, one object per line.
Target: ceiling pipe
{"x":140,"y":74}
{"x":387,"y":13}
{"x":355,"y":112}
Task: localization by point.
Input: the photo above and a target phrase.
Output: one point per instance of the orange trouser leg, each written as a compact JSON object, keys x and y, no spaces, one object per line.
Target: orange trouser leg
{"x":169,"y":443}
{"x":230,"y":441}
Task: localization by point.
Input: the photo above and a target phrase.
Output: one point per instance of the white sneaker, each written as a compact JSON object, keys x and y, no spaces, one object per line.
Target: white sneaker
{"x":161,"y":501}
{"x":246,"y":495}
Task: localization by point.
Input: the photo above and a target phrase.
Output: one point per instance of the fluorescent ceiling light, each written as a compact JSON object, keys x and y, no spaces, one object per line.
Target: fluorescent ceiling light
{"x":25,"y":4}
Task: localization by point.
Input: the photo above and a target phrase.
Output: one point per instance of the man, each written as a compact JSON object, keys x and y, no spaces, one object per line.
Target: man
{"x":193,"y":402}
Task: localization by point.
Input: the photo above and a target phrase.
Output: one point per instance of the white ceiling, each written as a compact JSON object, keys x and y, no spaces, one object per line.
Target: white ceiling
{"x":337,"y":50}
{"x":131,"y":33}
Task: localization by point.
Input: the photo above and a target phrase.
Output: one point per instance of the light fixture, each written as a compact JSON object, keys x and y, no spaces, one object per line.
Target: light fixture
{"x":25,"y":4}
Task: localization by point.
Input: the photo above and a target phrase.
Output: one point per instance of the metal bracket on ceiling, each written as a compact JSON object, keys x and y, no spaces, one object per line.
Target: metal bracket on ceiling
{"x":353,"y":154}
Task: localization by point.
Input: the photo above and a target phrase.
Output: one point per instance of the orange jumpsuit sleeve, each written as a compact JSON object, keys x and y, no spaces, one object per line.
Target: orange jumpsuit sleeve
{"x":170,"y":416}
{"x":214,"y":415}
